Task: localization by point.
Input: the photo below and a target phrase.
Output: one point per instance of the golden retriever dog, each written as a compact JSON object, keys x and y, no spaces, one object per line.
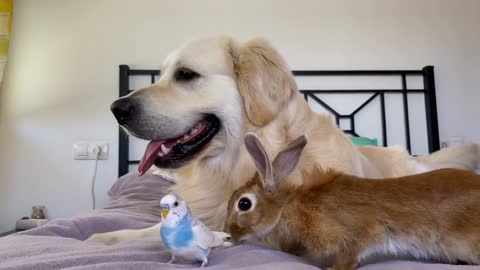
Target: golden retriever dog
{"x":212,"y":92}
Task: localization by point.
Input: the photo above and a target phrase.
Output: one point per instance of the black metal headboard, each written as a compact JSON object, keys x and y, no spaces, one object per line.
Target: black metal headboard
{"x":428,"y":91}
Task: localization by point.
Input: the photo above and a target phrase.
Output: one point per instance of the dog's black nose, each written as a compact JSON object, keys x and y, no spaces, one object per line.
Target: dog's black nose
{"x":122,"y":110}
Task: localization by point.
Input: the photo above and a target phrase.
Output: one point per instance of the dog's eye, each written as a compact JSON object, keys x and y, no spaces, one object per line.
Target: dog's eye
{"x":244,"y":204}
{"x":185,"y":75}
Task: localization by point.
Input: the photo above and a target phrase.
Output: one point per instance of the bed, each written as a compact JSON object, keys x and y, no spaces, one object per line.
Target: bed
{"x":134,"y":199}
{"x":134,"y":205}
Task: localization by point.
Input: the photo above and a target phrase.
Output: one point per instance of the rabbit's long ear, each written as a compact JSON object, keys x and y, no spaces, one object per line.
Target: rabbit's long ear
{"x":261,"y":160}
{"x":287,"y":160}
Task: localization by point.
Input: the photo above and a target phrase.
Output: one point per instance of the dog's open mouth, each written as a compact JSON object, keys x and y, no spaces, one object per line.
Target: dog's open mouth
{"x":171,"y":153}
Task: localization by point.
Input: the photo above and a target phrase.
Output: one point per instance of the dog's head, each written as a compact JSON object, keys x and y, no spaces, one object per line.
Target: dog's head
{"x":209,"y":92}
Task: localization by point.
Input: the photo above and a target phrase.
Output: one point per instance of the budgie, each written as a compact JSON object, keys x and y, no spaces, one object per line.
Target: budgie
{"x":184,"y":235}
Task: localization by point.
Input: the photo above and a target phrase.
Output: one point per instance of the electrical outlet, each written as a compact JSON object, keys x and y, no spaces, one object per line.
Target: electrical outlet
{"x":452,"y":141}
{"x":443,"y":144}
{"x":86,"y":150}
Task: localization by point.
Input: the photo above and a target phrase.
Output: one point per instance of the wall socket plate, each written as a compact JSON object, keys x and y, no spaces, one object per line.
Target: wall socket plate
{"x":443,"y":144}
{"x":452,"y":141}
{"x":84,"y":150}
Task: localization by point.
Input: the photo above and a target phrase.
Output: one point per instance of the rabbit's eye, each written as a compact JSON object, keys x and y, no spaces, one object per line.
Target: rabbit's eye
{"x":244,"y":204}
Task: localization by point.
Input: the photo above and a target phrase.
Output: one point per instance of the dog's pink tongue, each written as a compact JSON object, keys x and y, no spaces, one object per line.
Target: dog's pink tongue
{"x":150,"y":155}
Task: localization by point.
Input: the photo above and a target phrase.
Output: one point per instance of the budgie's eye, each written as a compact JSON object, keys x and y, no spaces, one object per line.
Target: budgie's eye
{"x":244,"y":204}
{"x":175,"y":204}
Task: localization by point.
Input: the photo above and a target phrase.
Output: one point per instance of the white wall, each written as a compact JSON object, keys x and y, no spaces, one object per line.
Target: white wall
{"x":62,"y":71}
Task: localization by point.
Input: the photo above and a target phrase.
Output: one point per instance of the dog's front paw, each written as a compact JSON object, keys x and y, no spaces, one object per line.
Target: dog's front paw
{"x":104,"y":238}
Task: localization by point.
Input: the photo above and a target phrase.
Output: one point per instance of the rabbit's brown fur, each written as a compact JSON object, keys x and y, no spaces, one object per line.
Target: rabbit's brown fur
{"x":433,"y":216}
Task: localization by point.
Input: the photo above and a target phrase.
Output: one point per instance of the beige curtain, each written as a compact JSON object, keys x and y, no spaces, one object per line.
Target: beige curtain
{"x":6,"y":11}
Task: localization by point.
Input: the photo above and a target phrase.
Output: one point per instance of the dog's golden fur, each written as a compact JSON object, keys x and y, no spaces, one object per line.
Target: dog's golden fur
{"x":252,"y":88}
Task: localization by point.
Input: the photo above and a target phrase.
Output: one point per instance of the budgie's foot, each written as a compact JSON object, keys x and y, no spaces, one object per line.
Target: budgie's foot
{"x":204,"y":262}
{"x":172,"y":260}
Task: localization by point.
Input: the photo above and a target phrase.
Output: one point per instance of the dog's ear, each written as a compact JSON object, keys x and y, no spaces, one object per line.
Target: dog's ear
{"x":263,"y":78}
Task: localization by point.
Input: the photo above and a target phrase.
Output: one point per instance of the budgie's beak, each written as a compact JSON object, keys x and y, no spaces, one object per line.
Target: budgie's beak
{"x":165,"y":210}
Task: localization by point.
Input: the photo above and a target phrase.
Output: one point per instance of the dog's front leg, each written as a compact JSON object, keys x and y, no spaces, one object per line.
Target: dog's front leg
{"x":112,"y":238}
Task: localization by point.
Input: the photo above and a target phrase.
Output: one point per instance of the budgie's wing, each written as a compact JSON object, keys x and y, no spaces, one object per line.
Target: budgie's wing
{"x":205,"y":238}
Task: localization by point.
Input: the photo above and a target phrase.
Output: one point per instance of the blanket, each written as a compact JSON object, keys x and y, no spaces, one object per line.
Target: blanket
{"x":135,"y":205}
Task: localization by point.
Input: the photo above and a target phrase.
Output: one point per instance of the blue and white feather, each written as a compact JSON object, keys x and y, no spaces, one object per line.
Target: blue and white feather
{"x":184,"y":235}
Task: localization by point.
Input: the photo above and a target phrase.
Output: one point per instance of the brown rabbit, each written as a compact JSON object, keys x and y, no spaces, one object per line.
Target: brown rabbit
{"x":431,"y":216}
